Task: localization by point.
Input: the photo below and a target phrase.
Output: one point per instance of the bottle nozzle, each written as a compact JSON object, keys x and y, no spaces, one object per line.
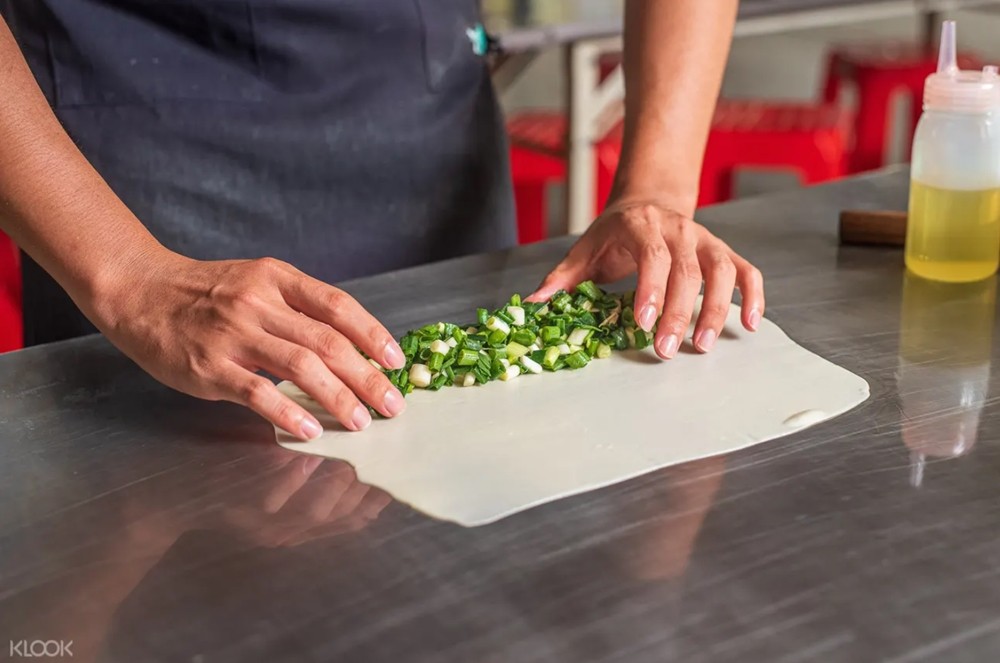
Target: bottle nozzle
{"x":948,"y":55}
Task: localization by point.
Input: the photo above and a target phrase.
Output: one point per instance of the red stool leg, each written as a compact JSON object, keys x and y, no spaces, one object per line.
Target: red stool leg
{"x":871,"y":123}
{"x":833,"y":81}
{"x":529,"y":201}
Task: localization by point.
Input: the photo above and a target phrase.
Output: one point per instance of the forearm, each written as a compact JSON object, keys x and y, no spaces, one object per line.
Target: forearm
{"x":52,"y":202}
{"x":675,"y":55}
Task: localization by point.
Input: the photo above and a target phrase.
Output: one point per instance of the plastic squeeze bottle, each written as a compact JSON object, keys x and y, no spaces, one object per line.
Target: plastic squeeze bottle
{"x":953,"y":232}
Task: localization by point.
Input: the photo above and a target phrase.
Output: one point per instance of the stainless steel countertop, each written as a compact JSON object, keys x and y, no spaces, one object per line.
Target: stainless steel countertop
{"x":146,"y":526}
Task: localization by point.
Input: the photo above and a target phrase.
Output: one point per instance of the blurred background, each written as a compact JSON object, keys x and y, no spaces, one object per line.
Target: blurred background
{"x":782,"y":52}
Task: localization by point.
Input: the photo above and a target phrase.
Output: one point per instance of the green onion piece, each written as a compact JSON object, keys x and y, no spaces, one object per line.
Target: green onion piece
{"x":515,"y":300}
{"x":551,"y":335}
{"x":435,"y":362}
{"x":497,"y":337}
{"x":642,"y":340}
{"x":592,"y":347}
{"x":523,"y":336}
{"x":561,"y":301}
{"x":505,"y":316}
{"x":603,"y":351}
{"x":578,"y":359}
{"x":628,"y":317}
{"x":481,"y":315}
{"x":579,"y":336}
{"x":581,"y":302}
{"x":439,"y":381}
{"x":586,"y":319}
{"x":515,"y":351}
{"x":475,"y":342}
{"x":538,"y":356}
{"x":550,"y":357}
{"x":468,"y":357}
{"x":410,"y":344}
{"x":496,"y":323}
{"x":619,"y":340}
{"x":589,"y":290}
{"x":628,"y":298}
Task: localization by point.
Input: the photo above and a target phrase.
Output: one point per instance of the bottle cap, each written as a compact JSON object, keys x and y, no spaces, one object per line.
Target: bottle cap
{"x":951,"y":89}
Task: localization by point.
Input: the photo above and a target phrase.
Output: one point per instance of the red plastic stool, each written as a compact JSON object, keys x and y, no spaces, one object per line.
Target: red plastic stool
{"x":10,"y":296}
{"x":808,"y":138}
{"x":880,"y":71}
{"x":538,"y":158}
{"x":811,"y":139}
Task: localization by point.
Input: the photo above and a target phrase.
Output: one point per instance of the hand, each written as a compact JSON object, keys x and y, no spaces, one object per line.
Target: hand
{"x":305,"y":498}
{"x":206,"y":328}
{"x":673,"y":255}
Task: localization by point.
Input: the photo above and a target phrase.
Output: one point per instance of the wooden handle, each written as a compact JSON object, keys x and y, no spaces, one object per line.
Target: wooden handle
{"x":873,"y":228}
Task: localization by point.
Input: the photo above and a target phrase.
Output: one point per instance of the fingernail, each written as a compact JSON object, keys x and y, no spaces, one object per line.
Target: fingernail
{"x":394,"y":355}
{"x":394,"y":402}
{"x":311,"y":464}
{"x":706,"y":340}
{"x":754,"y":319}
{"x":667,"y":346}
{"x":647,"y":317}
{"x":361,"y":418}
{"x":309,"y":428}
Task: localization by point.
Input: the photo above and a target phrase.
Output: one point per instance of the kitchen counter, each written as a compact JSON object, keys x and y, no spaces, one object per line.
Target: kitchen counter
{"x":143,"y":525}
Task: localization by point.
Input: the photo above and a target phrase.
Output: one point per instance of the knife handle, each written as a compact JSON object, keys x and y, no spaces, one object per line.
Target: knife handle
{"x":873,"y":228}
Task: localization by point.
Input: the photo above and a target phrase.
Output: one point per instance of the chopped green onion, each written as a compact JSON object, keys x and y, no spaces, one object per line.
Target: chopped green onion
{"x":550,"y":334}
{"x":515,"y":350}
{"x":510,"y":373}
{"x":642,"y":340}
{"x":530,"y":365}
{"x":551,"y":356}
{"x":467,"y":357}
{"x":475,"y":342}
{"x":523,"y":336}
{"x":420,"y":376}
{"x":440,"y":347}
{"x":589,"y":290}
{"x":578,"y":359}
{"x":628,"y":317}
{"x":498,"y":337}
{"x":517,"y":315}
{"x":579,"y":336}
{"x":515,"y":300}
{"x":481,"y":315}
{"x":564,"y":349}
{"x":468,"y":380}
{"x":435,"y":362}
{"x":495,"y":323}
{"x":505,"y":316}
{"x":561,"y":301}
{"x":603,"y":351}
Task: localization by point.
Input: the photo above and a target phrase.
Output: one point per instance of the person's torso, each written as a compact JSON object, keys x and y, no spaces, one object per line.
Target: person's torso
{"x":346,"y":136}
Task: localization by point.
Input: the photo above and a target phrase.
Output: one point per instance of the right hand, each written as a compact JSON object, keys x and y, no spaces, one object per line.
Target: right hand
{"x":206,"y":327}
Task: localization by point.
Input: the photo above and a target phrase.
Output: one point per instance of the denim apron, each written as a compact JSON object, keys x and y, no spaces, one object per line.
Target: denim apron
{"x":347,"y":137}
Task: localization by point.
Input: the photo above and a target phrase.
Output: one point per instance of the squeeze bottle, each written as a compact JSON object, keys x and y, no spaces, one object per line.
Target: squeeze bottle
{"x":953,"y":232}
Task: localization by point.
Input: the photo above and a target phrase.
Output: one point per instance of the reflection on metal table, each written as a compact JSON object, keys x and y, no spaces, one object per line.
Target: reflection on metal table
{"x":143,"y":525}
{"x":588,"y":29}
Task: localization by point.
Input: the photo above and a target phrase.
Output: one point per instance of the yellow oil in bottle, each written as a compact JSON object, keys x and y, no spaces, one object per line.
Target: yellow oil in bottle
{"x":953,"y":235}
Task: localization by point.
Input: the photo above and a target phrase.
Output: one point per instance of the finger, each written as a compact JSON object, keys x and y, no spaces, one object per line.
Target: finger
{"x":338,"y":309}
{"x":719,"y":273}
{"x":751,"y":284}
{"x":238,"y":385}
{"x":340,"y":356}
{"x":317,"y":500}
{"x":653,"y":261}
{"x":567,"y":274}
{"x":288,"y":483}
{"x":683,"y":286}
{"x":303,"y":367}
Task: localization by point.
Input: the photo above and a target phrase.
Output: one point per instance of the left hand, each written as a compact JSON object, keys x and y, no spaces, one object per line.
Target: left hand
{"x":673,"y":255}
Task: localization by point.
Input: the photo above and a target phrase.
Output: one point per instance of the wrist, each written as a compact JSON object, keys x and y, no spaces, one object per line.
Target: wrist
{"x":107,"y":287}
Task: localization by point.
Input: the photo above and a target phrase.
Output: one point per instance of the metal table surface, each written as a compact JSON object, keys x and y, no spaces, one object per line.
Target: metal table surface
{"x":143,"y":525}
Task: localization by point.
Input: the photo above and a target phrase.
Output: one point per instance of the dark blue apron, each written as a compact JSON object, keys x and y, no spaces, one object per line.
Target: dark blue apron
{"x":348,"y":137}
